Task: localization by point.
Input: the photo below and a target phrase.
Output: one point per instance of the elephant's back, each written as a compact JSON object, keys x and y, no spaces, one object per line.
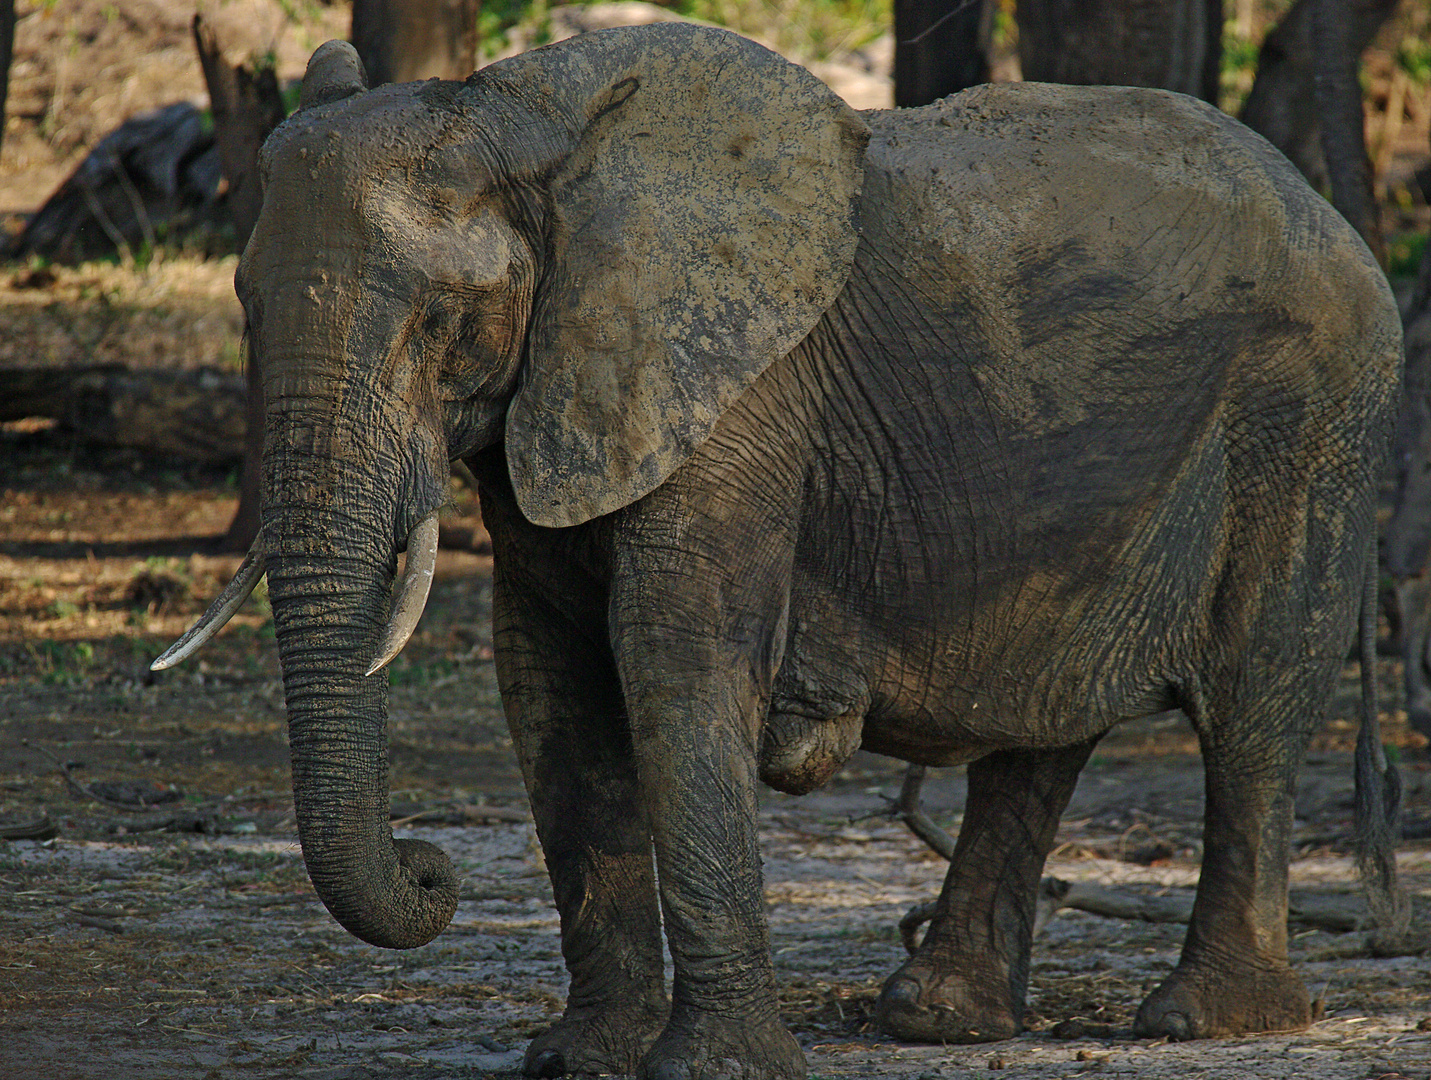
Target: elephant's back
{"x":1031,"y":163}
{"x":1075,"y":225}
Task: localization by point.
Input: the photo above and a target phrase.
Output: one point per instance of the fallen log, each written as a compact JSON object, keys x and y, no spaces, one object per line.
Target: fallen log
{"x":1333,"y":912}
{"x":154,"y":174}
{"x":192,"y":414}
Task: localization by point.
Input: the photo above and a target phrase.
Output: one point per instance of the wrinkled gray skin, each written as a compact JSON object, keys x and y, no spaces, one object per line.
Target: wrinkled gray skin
{"x":1053,"y":408}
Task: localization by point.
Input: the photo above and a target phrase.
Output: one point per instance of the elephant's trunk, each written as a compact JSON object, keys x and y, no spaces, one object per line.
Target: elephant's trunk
{"x":328,"y":613}
{"x":330,"y":553}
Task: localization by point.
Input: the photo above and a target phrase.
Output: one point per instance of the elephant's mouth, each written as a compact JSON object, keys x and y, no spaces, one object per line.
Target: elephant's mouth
{"x":409,"y":599}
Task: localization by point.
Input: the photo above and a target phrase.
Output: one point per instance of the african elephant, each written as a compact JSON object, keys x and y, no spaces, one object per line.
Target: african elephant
{"x":959,"y":433}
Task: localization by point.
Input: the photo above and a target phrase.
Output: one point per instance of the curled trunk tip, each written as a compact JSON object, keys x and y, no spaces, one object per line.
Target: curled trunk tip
{"x":418,"y":902}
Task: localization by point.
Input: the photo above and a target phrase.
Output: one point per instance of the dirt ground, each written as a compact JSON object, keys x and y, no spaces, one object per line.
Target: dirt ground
{"x":199,"y":950}
{"x":182,"y":939}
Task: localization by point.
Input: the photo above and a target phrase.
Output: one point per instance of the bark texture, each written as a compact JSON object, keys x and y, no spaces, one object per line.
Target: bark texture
{"x":247,"y":106}
{"x":1171,"y":44}
{"x":406,"y":40}
{"x":154,"y":172}
{"x":192,"y":414}
{"x":940,"y":47}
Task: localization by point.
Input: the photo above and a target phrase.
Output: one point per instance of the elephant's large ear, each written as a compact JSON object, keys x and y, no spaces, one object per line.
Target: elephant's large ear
{"x":703,"y":224}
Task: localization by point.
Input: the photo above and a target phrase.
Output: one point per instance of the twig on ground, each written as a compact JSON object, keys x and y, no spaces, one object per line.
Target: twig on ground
{"x":194,"y":821}
{"x":463,"y":815}
{"x":910,"y":810}
{"x":84,"y":791}
{"x":39,"y":829}
{"x":1333,"y":913}
{"x":108,"y":925}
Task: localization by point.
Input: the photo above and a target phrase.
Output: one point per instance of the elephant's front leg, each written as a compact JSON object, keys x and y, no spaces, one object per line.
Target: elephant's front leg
{"x":695,"y":721}
{"x":568,"y":723}
{"x":967,"y":981}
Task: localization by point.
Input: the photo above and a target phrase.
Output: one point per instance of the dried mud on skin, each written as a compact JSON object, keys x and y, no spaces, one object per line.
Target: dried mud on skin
{"x":163,"y":955}
{"x":129,"y":955}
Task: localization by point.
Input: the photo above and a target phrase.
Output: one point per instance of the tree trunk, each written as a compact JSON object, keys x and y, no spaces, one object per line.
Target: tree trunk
{"x":1338,"y":97}
{"x":247,"y":106}
{"x":1172,"y":44}
{"x":404,"y":40}
{"x":940,"y":48}
{"x":7,"y":52}
{"x":1283,"y":106}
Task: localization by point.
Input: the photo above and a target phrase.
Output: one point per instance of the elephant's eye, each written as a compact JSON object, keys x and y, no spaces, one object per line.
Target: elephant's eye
{"x":474,"y":330}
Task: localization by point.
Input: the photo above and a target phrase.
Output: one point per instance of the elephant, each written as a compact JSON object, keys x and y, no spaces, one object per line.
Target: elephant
{"x":960,"y":434}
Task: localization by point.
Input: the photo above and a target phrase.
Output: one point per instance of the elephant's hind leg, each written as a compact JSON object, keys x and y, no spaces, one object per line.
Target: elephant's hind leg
{"x":967,"y":981}
{"x":1233,"y":977}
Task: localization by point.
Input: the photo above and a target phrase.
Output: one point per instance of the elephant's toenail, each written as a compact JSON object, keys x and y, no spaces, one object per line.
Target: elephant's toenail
{"x":901,"y":991}
{"x":548,"y":1065}
{"x":1178,"y":1027}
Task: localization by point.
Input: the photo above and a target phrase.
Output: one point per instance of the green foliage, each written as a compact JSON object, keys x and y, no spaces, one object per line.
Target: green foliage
{"x":156,"y":585}
{"x":1239,"y":68}
{"x":1413,"y":56}
{"x":61,"y":663}
{"x":1404,"y":254}
{"x":290,"y":94}
{"x":301,"y":12}
{"x":818,"y":28}
{"x":231,"y":359}
{"x":420,"y":674}
{"x":161,"y":564}
{"x":61,"y":609}
{"x":1005,"y":31}
{"x":259,"y":604}
{"x":499,"y":16}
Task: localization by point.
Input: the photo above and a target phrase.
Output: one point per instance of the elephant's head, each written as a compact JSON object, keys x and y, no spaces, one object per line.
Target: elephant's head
{"x":586,"y":252}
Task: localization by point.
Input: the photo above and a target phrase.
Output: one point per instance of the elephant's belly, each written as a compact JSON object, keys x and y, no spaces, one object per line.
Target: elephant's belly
{"x":822,"y":710}
{"x":838,"y":691}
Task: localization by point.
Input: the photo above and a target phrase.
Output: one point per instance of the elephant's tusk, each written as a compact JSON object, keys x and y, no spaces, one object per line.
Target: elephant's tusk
{"x":411,"y":592}
{"x":220,"y":611}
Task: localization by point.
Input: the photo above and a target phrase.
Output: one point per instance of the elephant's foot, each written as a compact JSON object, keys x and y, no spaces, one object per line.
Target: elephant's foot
{"x":705,"y":1047}
{"x":1206,"y":1001}
{"x":591,"y":1042}
{"x":920,"y":1004}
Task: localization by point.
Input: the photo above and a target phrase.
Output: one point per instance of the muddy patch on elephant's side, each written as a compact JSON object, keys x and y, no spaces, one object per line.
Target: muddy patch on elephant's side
{"x":131,"y":952}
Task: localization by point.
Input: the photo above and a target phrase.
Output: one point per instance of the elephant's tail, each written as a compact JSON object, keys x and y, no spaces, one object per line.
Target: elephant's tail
{"x":1378,"y":786}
